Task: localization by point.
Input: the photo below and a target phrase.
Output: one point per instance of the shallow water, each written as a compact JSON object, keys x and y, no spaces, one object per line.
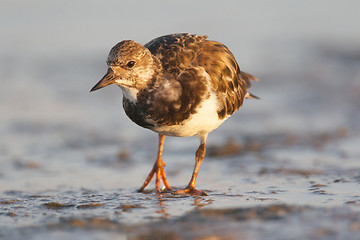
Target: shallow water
{"x":71,"y":162}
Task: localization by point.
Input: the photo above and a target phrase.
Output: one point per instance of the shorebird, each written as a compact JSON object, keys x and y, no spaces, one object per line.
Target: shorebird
{"x":177,"y":85}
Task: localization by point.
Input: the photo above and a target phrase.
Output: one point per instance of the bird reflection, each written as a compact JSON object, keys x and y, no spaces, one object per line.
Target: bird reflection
{"x":164,"y":202}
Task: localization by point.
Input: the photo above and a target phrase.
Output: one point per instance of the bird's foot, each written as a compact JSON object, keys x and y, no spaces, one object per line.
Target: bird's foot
{"x":159,"y":172}
{"x":190,"y":191}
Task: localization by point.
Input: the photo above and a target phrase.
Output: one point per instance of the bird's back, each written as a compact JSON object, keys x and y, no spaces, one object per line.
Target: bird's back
{"x":176,"y":51}
{"x":180,"y":53}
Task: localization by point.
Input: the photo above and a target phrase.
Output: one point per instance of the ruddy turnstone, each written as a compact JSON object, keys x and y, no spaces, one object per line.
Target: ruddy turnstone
{"x":177,"y":85}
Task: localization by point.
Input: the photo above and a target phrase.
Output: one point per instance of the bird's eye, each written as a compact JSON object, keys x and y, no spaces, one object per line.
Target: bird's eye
{"x":130,"y":64}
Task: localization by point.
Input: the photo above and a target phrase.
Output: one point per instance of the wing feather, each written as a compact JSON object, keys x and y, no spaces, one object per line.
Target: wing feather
{"x":181,"y":53}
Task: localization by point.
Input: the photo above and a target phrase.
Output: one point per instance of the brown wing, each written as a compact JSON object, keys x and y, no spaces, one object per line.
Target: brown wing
{"x":184,"y":53}
{"x":176,"y":51}
{"x":229,"y":82}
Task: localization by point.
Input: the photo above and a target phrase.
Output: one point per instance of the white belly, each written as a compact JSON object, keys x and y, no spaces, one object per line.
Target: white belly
{"x":202,"y":122}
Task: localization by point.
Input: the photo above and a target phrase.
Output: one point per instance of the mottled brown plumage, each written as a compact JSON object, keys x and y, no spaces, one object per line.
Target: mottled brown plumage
{"x":181,"y":53}
{"x":177,"y":85}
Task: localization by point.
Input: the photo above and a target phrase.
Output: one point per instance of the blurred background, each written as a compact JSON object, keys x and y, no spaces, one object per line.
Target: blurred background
{"x":305,"y":53}
{"x":298,"y":144}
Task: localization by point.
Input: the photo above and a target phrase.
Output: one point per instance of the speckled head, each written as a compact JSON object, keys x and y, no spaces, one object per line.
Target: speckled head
{"x":125,"y":51}
{"x":131,"y":66}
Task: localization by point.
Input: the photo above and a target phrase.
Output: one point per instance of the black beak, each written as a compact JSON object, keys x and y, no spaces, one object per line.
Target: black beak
{"x":108,"y":79}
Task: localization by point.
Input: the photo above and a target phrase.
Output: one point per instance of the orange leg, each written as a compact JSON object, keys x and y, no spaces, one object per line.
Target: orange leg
{"x":158,"y":169}
{"x":199,"y":157}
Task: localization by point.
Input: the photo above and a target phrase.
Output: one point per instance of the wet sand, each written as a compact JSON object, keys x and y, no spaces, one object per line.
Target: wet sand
{"x":283,"y":167}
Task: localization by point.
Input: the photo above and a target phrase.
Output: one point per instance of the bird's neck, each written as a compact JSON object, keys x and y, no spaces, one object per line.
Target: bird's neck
{"x":130,"y":93}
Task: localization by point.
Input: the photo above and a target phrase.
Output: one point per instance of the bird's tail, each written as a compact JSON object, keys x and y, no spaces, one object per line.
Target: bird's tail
{"x":248,"y":78}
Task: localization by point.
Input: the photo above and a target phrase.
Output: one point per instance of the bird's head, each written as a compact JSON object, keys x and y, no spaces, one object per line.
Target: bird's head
{"x":131,"y":66}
